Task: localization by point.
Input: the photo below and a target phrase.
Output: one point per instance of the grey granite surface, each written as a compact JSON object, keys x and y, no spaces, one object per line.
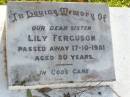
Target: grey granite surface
{"x":53,"y":43}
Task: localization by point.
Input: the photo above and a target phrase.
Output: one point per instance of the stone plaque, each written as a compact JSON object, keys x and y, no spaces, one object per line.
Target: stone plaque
{"x":58,"y":43}
{"x":97,"y":91}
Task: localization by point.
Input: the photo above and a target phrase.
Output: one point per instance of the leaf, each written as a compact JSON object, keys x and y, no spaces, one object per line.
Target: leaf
{"x":29,"y":94}
{"x":43,"y":90}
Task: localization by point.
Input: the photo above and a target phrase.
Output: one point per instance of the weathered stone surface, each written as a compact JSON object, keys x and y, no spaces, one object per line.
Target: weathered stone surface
{"x":2,"y":18}
{"x":52,"y":43}
{"x":104,"y":91}
{"x":97,"y":91}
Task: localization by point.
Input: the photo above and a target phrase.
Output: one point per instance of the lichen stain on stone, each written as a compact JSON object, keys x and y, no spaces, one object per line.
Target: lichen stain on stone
{"x":22,"y":75}
{"x":91,"y":77}
{"x":3,"y":51}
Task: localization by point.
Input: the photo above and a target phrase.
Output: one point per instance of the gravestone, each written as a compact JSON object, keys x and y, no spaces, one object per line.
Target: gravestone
{"x":95,"y":91}
{"x":53,"y":44}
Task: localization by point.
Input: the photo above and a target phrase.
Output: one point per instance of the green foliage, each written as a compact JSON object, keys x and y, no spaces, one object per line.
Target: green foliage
{"x":120,"y":3}
{"x":29,"y":94}
{"x":3,"y":2}
{"x":112,"y":3}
